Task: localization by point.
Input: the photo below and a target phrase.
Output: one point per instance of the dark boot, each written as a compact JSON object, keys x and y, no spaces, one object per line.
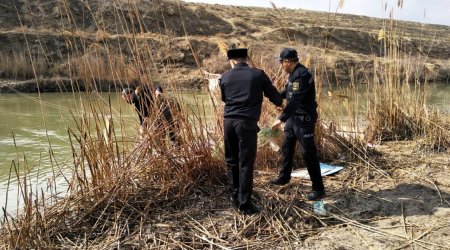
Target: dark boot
{"x":250,"y":209}
{"x":316,"y":195}
{"x":279,"y":181}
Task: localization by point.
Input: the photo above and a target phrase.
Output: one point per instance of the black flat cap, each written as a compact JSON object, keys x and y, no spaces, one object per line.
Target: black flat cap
{"x":237,"y":53}
{"x":287,"y":53}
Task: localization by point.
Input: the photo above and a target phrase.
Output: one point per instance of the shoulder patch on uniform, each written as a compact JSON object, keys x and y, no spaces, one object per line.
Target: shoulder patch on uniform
{"x":295,"y":86}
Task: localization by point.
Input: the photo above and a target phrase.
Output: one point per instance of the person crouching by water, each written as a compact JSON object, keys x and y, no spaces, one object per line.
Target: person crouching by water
{"x":147,"y":100}
{"x":242,"y":90}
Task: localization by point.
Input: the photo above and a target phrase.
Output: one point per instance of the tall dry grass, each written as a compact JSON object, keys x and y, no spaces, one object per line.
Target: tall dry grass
{"x":18,"y":65}
{"x":114,"y":181}
{"x":397,"y":106}
{"x":125,"y":192}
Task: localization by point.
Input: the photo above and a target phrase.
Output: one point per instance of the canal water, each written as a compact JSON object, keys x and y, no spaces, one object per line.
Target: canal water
{"x":34,"y":137}
{"x":34,"y":132}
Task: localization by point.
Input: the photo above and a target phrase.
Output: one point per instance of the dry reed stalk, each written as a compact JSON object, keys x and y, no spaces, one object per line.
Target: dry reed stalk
{"x":16,"y":65}
{"x":154,"y":195}
{"x":397,"y":110}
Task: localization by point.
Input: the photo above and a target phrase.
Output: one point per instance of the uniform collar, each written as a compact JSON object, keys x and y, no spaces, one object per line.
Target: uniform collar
{"x":295,"y":68}
{"x":240,"y":65}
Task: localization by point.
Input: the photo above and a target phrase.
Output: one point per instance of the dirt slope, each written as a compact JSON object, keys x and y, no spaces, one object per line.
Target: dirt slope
{"x":53,"y":29}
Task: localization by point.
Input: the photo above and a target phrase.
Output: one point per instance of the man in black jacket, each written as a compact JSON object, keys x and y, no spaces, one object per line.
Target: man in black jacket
{"x":300,"y":116}
{"x":242,"y":91}
{"x":148,"y":99}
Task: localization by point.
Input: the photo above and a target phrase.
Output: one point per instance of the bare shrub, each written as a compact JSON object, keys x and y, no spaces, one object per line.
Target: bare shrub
{"x":19,"y":65}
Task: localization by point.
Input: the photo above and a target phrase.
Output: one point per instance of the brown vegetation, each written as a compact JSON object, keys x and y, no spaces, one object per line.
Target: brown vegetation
{"x":151,"y":194}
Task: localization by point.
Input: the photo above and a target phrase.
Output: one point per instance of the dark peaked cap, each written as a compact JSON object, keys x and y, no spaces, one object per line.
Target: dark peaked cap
{"x":237,"y":53}
{"x":287,"y":53}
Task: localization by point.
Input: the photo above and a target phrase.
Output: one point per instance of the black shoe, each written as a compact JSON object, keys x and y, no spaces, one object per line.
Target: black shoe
{"x":279,"y":181}
{"x":250,"y":209}
{"x":316,"y":195}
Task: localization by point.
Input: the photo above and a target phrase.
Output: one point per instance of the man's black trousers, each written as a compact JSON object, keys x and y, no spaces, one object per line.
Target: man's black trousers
{"x":301,"y":129}
{"x":240,"y":138}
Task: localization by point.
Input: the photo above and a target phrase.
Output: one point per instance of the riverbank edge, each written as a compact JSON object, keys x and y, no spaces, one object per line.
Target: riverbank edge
{"x":59,"y":84}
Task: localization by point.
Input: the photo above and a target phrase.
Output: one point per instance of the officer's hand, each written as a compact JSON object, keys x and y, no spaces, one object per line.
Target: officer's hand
{"x":279,"y":108}
{"x":276,"y":125}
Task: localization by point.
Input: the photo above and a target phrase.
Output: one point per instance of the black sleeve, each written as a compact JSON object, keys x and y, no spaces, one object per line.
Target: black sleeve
{"x":140,"y":118}
{"x":138,"y":109}
{"x":222,"y":94}
{"x":270,"y":91}
{"x":302,"y":85}
{"x":283,"y":94}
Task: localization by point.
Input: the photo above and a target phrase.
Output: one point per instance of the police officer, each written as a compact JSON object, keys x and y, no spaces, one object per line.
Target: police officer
{"x":300,"y":116}
{"x":242,"y":90}
{"x":147,"y":99}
